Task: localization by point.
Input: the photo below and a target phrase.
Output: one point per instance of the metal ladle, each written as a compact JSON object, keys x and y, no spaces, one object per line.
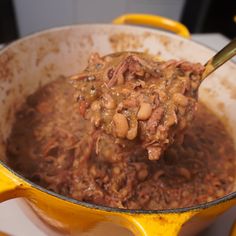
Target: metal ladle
{"x":220,"y":58}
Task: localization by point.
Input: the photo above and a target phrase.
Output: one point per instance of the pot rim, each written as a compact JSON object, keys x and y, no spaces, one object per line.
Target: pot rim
{"x":202,"y":206}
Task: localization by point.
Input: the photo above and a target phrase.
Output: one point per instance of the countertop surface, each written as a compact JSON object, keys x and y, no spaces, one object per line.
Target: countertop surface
{"x":14,"y":222}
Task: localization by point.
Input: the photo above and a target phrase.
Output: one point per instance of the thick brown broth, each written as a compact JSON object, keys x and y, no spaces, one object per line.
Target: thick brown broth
{"x":52,"y":145}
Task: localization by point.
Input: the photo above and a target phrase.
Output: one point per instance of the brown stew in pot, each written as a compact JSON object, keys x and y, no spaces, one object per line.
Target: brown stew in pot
{"x":54,"y":146}
{"x":132,"y":95}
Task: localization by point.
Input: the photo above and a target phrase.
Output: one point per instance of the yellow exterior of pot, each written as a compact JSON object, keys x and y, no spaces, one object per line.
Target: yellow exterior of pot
{"x":71,"y":217}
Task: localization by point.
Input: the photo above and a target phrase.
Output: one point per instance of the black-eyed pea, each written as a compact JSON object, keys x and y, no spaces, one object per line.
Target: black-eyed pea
{"x":133,"y":131}
{"x":121,"y":125}
{"x":171,"y":119}
{"x":180,"y":99}
{"x":145,"y":111}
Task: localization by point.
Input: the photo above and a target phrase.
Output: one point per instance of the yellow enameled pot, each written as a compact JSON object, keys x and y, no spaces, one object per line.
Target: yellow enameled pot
{"x":31,"y":62}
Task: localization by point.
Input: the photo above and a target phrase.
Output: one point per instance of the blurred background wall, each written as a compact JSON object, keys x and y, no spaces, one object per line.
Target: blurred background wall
{"x":21,"y":17}
{"x":50,"y":13}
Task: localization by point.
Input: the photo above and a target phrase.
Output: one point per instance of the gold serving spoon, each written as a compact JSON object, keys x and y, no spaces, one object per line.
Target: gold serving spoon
{"x":220,"y":58}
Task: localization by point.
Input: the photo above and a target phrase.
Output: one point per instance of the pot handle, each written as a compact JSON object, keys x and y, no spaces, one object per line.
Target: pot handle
{"x":158,"y":224}
{"x":10,"y":185}
{"x":233,"y":229}
{"x":153,"y":20}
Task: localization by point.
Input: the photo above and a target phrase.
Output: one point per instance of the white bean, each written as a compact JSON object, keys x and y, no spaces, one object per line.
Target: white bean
{"x":121,"y":125}
{"x":133,"y":131}
{"x":145,"y":111}
{"x":180,"y":99}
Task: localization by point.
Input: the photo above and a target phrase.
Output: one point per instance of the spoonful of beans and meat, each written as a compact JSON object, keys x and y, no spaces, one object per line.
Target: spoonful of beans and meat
{"x":136,"y":96}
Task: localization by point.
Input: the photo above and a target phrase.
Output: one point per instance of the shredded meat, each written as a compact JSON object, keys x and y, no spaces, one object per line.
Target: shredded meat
{"x":55,"y":147}
{"x":136,"y":96}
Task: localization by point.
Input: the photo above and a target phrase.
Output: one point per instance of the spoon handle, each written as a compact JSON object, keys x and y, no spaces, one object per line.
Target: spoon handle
{"x":220,"y":58}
